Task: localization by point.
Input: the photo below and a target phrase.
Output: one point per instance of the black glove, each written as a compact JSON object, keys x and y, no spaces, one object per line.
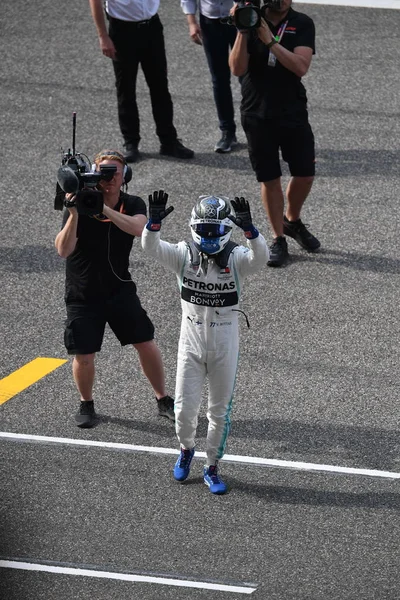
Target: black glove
{"x":243,"y":217}
{"x":158,"y":209}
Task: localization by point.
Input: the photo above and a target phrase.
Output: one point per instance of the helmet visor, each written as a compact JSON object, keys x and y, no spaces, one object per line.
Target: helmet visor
{"x":211,"y":230}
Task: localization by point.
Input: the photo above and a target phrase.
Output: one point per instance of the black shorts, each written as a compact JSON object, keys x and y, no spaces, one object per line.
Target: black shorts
{"x":293,"y":136}
{"x":85,"y":324}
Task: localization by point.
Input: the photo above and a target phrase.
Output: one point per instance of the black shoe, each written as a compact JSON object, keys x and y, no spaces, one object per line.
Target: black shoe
{"x":86,"y":416}
{"x":226,"y":142}
{"x":299,"y":232}
{"x":131,"y":153}
{"x":166,"y":407}
{"x":176,"y":149}
{"x":278,"y":252}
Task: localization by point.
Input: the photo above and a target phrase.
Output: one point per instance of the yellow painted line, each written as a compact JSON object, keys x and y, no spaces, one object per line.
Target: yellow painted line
{"x":26,"y":376}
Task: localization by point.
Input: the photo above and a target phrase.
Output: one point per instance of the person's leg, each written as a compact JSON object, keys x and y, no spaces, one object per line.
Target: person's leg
{"x":296,"y":193}
{"x":83,"y":337}
{"x":154,"y":64}
{"x":126,"y":70}
{"x":299,"y":152}
{"x":221,"y":368}
{"x":273,"y":202}
{"x":152,"y":366}
{"x":190,"y":377}
{"x":131,"y":324}
{"x":83,"y":373}
{"x":217,"y":38}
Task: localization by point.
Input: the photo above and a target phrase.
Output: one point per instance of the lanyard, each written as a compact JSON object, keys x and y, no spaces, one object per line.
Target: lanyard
{"x":278,"y":37}
{"x":281,"y":31}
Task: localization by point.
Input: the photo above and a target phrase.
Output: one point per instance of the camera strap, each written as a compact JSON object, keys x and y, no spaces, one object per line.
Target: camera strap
{"x":104,"y":219}
{"x":278,"y":37}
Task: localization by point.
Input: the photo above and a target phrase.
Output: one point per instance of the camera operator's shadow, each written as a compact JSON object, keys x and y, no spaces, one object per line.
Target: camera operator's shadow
{"x":30,"y":259}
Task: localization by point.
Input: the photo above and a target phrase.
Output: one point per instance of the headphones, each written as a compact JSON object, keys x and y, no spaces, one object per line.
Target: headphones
{"x":127,"y":172}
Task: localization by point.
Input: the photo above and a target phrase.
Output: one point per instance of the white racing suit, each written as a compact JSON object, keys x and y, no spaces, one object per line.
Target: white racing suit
{"x":209,"y":337}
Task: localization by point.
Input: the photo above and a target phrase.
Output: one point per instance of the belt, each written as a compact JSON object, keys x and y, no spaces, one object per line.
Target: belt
{"x":123,"y":23}
{"x":145,"y":22}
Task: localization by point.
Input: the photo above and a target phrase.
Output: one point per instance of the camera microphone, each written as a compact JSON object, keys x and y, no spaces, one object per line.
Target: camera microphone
{"x":67,"y":180}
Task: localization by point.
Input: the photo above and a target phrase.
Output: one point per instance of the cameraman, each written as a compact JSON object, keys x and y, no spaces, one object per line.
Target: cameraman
{"x":99,"y":288}
{"x":272,"y":59}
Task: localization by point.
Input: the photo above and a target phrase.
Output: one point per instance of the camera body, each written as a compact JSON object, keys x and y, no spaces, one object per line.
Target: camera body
{"x":248,"y":14}
{"x":76,"y":176}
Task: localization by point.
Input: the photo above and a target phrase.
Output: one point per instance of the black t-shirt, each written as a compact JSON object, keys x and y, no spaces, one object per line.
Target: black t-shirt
{"x":101,"y":249}
{"x":269,"y":92}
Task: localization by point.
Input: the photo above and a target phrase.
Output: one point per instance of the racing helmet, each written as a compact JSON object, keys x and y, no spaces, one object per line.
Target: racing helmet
{"x":209,"y":224}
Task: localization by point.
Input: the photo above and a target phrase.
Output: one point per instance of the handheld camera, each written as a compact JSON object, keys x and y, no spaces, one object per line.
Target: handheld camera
{"x":248,"y":15}
{"x":75,"y":176}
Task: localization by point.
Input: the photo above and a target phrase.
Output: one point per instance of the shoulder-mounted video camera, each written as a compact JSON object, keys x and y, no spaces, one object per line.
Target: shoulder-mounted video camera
{"x":248,"y":14}
{"x":76,"y":176}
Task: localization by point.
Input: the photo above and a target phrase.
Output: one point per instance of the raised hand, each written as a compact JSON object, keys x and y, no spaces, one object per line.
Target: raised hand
{"x":242,"y":217}
{"x":158,"y":209}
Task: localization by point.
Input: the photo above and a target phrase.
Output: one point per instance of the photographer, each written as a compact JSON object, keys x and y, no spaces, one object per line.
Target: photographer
{"x":99,"y":288}
{"x":272,"y":59}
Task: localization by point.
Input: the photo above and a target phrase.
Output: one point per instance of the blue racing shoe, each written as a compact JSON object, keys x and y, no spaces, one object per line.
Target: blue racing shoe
{"x":182,"y":465}
{"x":212,"y":479}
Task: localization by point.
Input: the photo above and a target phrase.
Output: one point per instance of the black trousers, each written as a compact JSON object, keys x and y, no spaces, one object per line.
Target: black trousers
{"x":141,"y":44}
{"x":218,"y":39}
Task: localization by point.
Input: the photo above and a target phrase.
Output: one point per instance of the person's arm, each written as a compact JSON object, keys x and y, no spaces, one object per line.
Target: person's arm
{"x":239,"y":56}
{"x":298,"y":61}
{"x":130,"y":224}
{"x":194,"y":29}
{"x":66,"y":239}
{"x":106,"y":45}
{"x":189,"y":8}
{"x":251,"y":259}
{"x":172,"y":256}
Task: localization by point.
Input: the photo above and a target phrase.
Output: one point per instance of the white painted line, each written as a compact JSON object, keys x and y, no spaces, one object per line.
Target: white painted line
{"x":203,"y":585}
{"x":393,"y":4}
{"x":248,"y":460}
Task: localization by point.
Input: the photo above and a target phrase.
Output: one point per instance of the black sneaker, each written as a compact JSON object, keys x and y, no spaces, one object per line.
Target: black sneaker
{"x":131,"y":153}
{"x":226,"y":142}
{"x":278,"y":252}
{"x":166,"y":407}
{"x":176,"y":149}
{"x":86,"y":415}
{"x":299,"y":232}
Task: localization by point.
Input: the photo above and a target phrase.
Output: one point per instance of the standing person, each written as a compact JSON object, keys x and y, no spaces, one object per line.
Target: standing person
{"x":135,"y":37}
{"x":210,"y":271}
{"x":272,"y":60}
{"x":99,"y":288}
{"x":217,"y":38}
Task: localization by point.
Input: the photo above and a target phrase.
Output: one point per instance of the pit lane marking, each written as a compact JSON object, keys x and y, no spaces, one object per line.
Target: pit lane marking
{"x":230,"y":458}
{"x":26,"y":376}
{"x":132,"y":577}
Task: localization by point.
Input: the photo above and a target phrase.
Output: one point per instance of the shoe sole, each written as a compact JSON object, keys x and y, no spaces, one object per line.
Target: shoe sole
{"x":167,"y":416}
{"x":87,"y":425}
{"x":221,"y":151}
{"x":301,"y":244}
{"x":276,"y":265}
{"x":215,"y":493}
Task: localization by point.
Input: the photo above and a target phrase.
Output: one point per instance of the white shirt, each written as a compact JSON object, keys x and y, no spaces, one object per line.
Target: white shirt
{"x":213,"y":9}
{"x":132,"y":10}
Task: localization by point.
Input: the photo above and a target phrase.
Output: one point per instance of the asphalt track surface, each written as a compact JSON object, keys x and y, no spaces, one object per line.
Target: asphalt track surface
{"x":318,"y":379}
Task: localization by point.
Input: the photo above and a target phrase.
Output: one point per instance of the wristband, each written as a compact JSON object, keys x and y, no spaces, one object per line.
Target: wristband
{"x":153,"y":225}
{"x":271,"y":43}
{"x":252,"y":233}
